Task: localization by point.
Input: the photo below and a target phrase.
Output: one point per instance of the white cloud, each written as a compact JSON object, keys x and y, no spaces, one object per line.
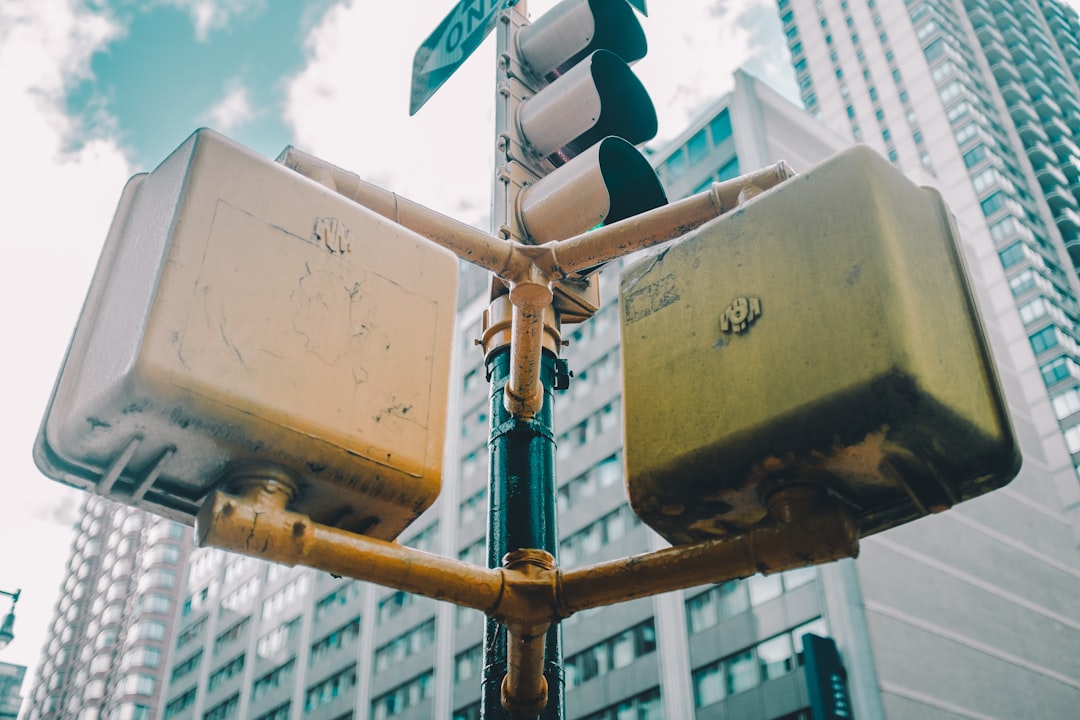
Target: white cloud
{"x":59,"y":185}
{"x":210,"y":15}
{"x":350,"y":104}
{"x":233,"y":110}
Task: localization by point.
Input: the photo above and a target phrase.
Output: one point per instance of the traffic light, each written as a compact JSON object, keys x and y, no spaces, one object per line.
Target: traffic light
{"x":822,"y":334}
{"x":242,"y":315}
{"x":575,"y":113}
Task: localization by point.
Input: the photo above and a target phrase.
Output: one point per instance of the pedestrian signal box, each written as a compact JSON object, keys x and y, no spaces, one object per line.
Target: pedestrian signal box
{"x":243,"y":314}
{"x":824,"y":333}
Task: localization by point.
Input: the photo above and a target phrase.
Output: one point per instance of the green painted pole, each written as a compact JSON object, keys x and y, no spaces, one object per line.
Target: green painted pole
{"x":521,"y":515}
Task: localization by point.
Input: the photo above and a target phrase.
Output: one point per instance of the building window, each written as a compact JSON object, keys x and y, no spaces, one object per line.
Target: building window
{"x":163,"y":554}
{"x":240,"y":599}
{"x":467,"y":663}
{"x":1039,"y":308}
{"x":582,"y":488}
{"x":1066,"y":403}
{"x":149,"y":630}
{"x":675,"y":165}
{"x":1026,"y":280}
{"x":741,"y":672}
{"x":223,"y":710}
{"x":180,"y":704}
{"x":596,"y":535}
{"x":237,"y":567}
{"x":281,"y":712}
{"x":426,"y":540}
{"x":272,"y":643}
{"x":131,"y":711}
{"x":1013,"y":254}
{"x":154,"y":603}
{"x":736,"y":596}
{"x":697,"y":149}
{"x":776,"y":657}
{"x":611,"y":654}
{"x":402,"y":697}
{"x":329,"y":689}
{"x":993,"y":203}
{"x":186,"y":666}
{"x":286,"y":596}
{"x":157,"y":578}
{"x":392,"y":605}
{"x":1072,"y":439}
{"x":728,"y":170}
{"x":469,"y":712}
{"x":341,"y":596}
{"x":138,"y":685}
{"x":232,"y":634}
{"x":409,"y":643}
{"x":342,"y":637}
{"x":746,"y":669}
{"x":1058,"y":369}
{"x":645,"y":706}
{"x":225,"y":673}
{"x":142,"y":656}
{"x":1048,"y":337}
{"x":276,"y":678}
{"x":191,"y":633}
{"x":472,"y":508}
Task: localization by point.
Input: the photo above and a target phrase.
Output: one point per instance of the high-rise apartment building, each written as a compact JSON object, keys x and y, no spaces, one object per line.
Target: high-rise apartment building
{"x":11,"y":679}
{"x":106,"y":652}
{"x":967,"y":614}
{"x":983,"y":95}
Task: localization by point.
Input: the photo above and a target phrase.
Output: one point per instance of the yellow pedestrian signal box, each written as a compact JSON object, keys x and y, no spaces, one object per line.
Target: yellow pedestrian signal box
{"x":243,"y":314}
{"x":824,"y":333}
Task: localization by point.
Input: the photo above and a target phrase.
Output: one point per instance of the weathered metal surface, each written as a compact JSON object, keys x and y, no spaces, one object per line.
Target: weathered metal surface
{"x":804,"y":527}
{"x":523,"y":593}
{"x":522,"y":515}
{"x":242,"y":313}
{"x":253,"y":519}
{"x":824,"y":332}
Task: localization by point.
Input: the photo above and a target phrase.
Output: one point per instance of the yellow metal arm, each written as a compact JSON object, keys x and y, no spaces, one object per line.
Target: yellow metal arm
{"x":530,"y":270}
{"x":528,"y":593}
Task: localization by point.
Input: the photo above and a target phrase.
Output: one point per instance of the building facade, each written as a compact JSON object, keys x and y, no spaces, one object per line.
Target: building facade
{"x":983,"y":95}
{"x":11,"y":680}
{"x":107,"y":650}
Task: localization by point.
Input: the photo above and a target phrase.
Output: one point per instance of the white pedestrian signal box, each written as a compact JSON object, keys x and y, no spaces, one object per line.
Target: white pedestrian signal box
{"x":243,"y":314}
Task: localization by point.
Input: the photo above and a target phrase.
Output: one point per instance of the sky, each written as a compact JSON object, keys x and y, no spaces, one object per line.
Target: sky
{"x":93,"y":91}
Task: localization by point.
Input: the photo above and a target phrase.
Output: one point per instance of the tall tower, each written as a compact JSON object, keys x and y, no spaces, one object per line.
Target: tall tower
{"x":983,"y":95}
{"x":108,"y":647}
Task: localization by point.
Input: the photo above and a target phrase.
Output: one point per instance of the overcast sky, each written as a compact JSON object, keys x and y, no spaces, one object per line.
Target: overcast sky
{"x":93,"y":91}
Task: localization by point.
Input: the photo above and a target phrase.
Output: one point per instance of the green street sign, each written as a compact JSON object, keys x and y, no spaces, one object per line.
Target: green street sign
{"x":450,"y":45}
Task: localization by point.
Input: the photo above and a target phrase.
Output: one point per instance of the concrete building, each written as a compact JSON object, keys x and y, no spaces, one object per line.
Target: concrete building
{"x":107,"y":649}
{"x":11,"y":680}
{"x":970,"y":614}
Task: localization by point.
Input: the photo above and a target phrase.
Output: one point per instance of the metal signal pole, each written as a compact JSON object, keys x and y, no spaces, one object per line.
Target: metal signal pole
{"x":521,"y":447}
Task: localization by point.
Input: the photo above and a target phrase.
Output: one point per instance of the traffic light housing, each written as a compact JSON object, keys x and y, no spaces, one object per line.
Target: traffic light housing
{"x":824,"y":333}
{"x":577,"y":111}
{"x":243,"y":315}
